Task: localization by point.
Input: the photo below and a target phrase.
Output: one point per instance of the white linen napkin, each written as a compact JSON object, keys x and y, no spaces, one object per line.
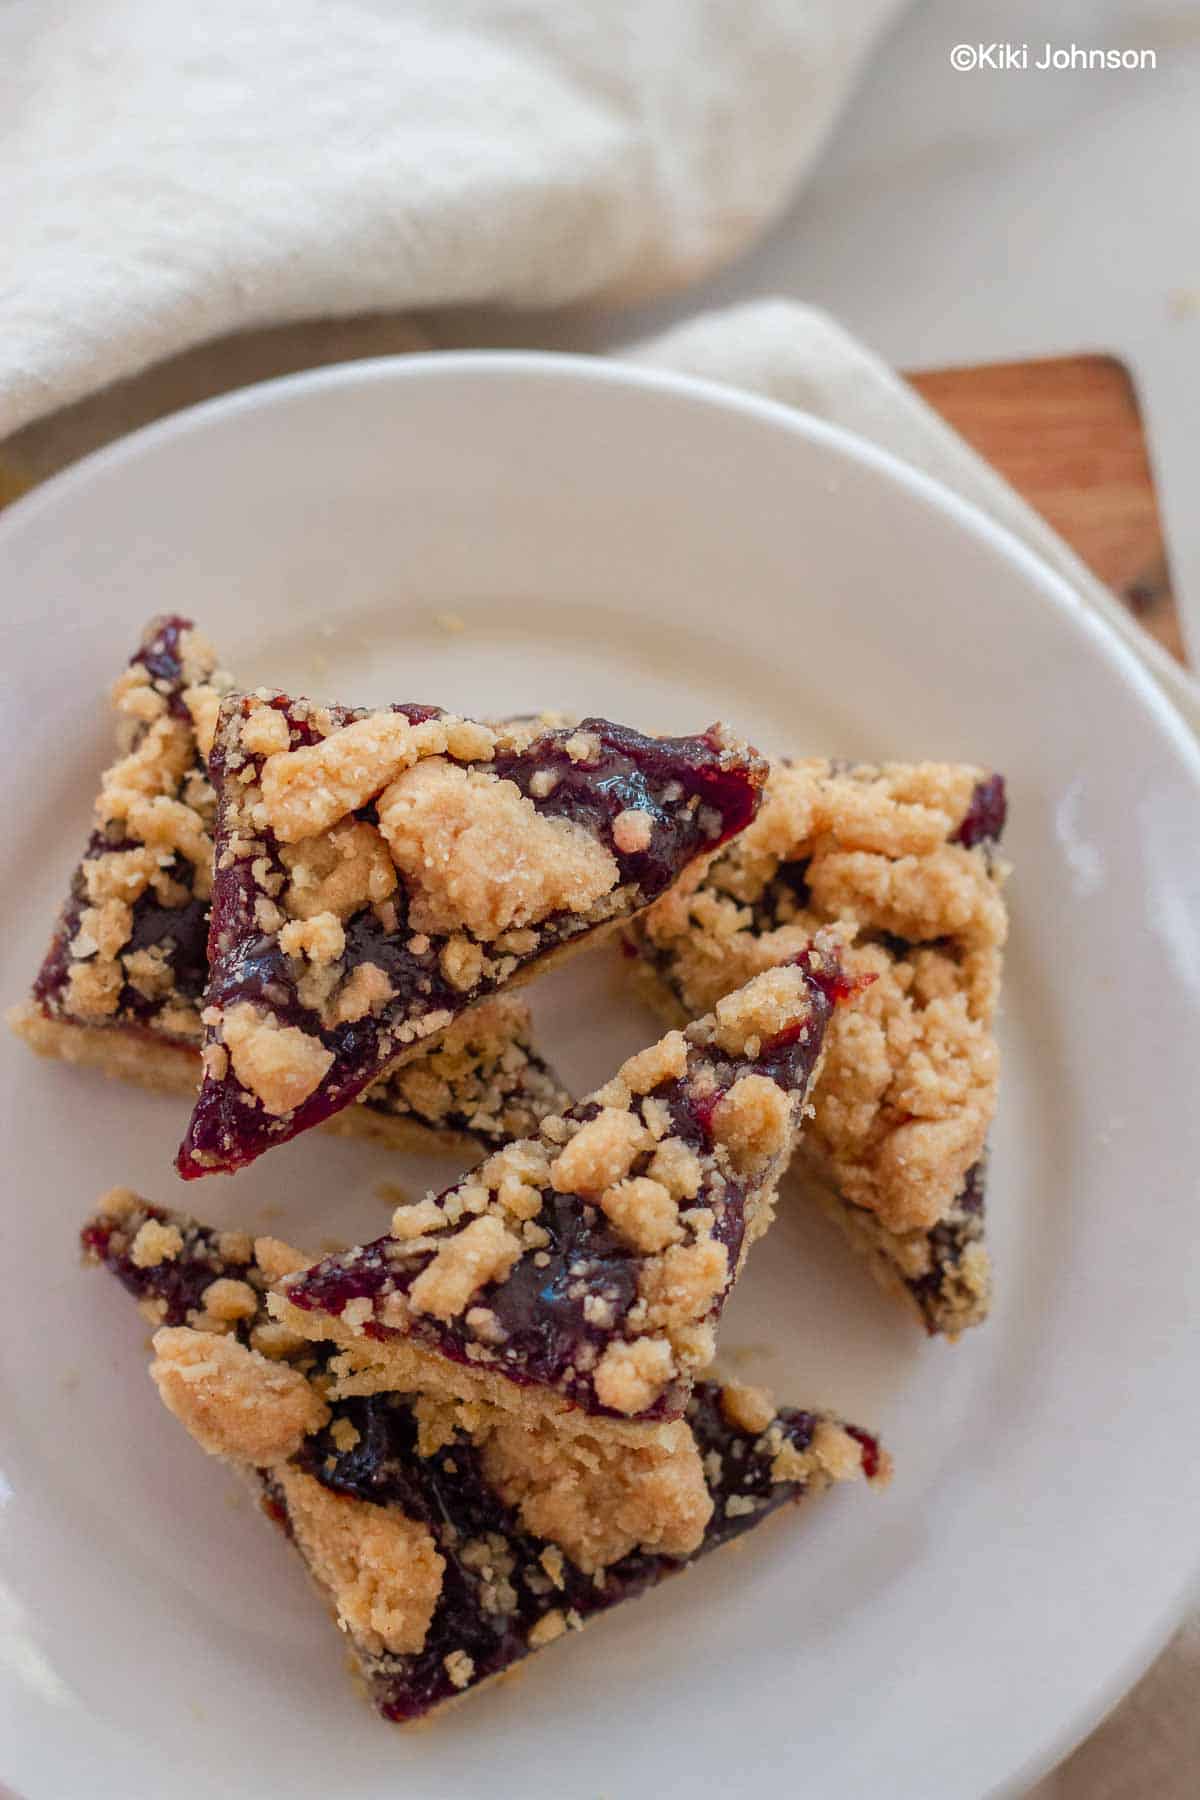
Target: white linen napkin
{"x":172,"y":173}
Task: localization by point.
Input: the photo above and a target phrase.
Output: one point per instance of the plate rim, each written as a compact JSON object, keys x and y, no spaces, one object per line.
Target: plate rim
{"x":1156,"y":707}
{"x":619,"y":372}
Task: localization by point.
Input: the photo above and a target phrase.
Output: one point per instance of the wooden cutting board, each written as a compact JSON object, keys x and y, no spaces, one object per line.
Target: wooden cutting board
{"x":1066,"y":432}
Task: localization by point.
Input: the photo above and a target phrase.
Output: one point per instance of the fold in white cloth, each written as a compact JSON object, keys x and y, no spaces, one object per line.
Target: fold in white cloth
{"x":797,"y":354}
{"x":173,"y":174}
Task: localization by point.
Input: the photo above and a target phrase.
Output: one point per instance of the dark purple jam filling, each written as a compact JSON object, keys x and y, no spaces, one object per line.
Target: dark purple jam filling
{"x":869,"y":1444}
{"x":643,"y":773}
{"x":827,"y":975}
{"x":542,"y":1308}
{"x":228,"y":1129}
{"x":963,"y":1225}
{"x":899,"y":948}
{"x":971,"y":1198}
{"x":549,"y":1341}
{"x":447,"y":1492}
{"x":985,"y":816}
{"x":161,"y":657}
{"x":179,"y":1281}
{"x":488,"y":1620}
{"x":181,"y":932}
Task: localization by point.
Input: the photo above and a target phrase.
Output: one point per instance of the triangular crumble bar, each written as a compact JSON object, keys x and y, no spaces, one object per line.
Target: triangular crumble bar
{"x":900,"y":860}
{"x":577,"y":1277}
{"x":120,"y":987}
{"x":450,"y":1541}
{"x":378,"y":872}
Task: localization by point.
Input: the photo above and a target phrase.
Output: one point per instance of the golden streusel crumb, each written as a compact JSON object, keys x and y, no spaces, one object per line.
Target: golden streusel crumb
{"x":601,"y":1153}
{"x":416,"y":1218}
{"x":365,"y":991}
{"x":344,"y":1435}
{"x":459,"y":1667}
{"x":339,"y":871}
{"x":754,"y":1119}
{"x":631,"y":1376}
{"x":477,"y":855}
{"x":118,"y":1203}
{"x":595,"y":1500}
{"x":306,"y":791}
{"x":204,"y":704}
{"x":632,"y":831}
{"x":155,"y":1243}
{"x":838,"y":1453}
{"x":94,"y":989}
{"x":484,"y":1251}
{"x":643,"y":1212}
{"x":280,"y":1064}
{"x":229,"y":1299}
{"x":547,"y":1629}
{"x":676,"y":1165}
{"x":461,"y":963}
{"x":275,"y":1341}
{"x":277,"y":1259}
{"x":752,"y":1015}
{"x":908,"y":1086}
{"x":235,"y":1402}
{"x":664,"y":1061}
{"x":382,"y":1569}
{"x":682,"y":1284}
{"x":319,"y":937}
{"x":266,"y":732}
{"x":746,"y":1408}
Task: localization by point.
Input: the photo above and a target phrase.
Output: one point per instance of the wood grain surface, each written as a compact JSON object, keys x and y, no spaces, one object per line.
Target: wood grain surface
{"x":1068,"y":434}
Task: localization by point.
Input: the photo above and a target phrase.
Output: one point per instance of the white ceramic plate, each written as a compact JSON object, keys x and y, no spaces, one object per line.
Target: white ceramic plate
{"x":666,"y":553}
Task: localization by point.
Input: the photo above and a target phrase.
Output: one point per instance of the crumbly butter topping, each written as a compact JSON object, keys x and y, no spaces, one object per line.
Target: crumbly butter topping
{"x":450,"y":1256}
{"x":477,"y":855}
{"x":908,"y":1087}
